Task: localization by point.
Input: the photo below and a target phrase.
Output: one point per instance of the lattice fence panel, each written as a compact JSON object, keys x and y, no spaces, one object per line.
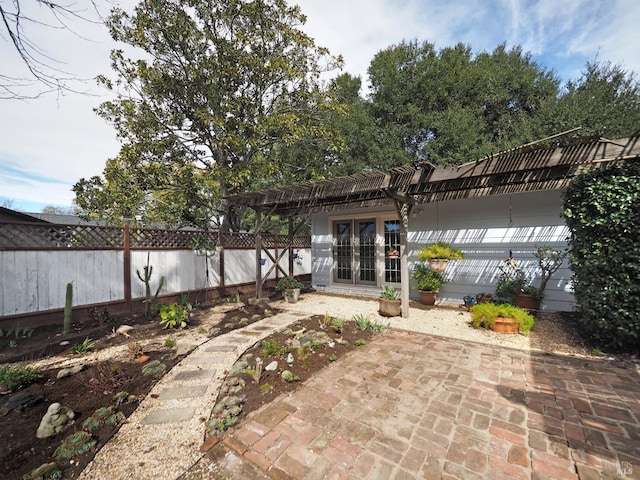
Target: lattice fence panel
{"x":34,"y":236}
{"x":238,"y":240}
{"x":157,"y":238}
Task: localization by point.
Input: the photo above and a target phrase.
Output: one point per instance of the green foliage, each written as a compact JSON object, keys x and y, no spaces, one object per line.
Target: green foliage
{"x":288,"y":283}
{"x":86,"y":346}
{"x":388,"y":293}
{"x":439,"y":250}
{"x":14,"y":378}
{"x":173,"y":315}
{"x":270,"y":348}
{"x":46,"y":471}
{"x":601,"y":211}
{"x":483,"y":315}
{"x":75,"y":444}
{"x":377,"y":327}
{"x":153,"y":367}
{"x":202,"y":111}
{"x":332,"y":358}
{"x":427,"y":280}
{"x":359,"y":342}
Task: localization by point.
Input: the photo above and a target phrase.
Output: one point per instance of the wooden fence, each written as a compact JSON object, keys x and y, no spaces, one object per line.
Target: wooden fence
{"x":38,"y":260}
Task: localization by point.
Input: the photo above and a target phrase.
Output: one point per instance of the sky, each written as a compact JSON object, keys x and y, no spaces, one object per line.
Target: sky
{"x":47,"y":144}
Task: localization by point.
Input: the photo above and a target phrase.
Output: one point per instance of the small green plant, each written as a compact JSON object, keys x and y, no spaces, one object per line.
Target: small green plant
{"x":289,"y":377}
{"x":150,"y":299}
{"x":271,"y":348}
{"x":427,"y":280}
{"x":202,"y":330}
{"x":17,"y":377}
{"x":359,"y":342}
{"x":332,"y":358}
{"x":169,"y":343}
{"x":388,"y":293}
{"x":337,"y":325}
{"x":266,"y":387}
{"x":13,"y":344}
{"x":377,"y":327}
{"x":362,"y":321}
{"x":483,"y":315}
{"x":173,"y":315}
{"x":86,"y":346}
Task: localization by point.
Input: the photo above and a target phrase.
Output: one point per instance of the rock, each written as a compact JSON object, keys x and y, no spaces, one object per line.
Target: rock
{"x":290,"y":358}
{"x":273,"y":366}
{"x":124,"y":330}
{"x":67,"y":372}
{"x":19,"y":402}
{"x":64,"y":343}
{"x":57,"y":419}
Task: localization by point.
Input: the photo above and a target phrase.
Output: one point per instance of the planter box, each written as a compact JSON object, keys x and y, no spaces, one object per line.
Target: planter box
{"x":389,"y":308}
{"x":427,"y":298}
{"x":505,"y":325}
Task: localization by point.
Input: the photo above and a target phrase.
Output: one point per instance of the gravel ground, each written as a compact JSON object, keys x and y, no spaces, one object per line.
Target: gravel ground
{"x":553,"y":333}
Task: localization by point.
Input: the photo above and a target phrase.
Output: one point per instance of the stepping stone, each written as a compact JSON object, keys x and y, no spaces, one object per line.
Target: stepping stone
{"x":220,"y":348}
{"x":235,"y":339}
{"x":262,"y":328}
{"x":195,"y":375}
{"x":249,"y":333}
{"x":182,"y":392}
{"x":172,"y":415}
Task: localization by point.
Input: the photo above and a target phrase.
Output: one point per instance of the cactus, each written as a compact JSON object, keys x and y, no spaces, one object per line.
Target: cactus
{"x":150,"y":300}
{"x":67,"y":309}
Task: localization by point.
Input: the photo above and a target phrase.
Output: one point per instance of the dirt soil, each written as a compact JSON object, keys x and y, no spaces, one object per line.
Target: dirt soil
{"x":96,"y":385}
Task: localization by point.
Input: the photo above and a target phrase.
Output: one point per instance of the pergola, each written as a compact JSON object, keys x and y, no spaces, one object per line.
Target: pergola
{"x":547,"y":164}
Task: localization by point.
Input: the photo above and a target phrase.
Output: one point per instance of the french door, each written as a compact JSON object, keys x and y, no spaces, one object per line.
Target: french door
{"x":354,"y":251}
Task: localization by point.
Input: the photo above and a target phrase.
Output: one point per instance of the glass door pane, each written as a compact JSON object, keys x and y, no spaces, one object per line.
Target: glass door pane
{"x":391,"y":246}
{"x":342,"y":252}
{"x":366,"y":252}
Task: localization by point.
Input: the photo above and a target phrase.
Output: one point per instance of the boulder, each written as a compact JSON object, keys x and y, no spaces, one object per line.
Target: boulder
{"x":56,"y":420}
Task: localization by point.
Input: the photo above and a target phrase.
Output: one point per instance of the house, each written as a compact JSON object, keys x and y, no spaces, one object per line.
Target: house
{"x":490,"y":208}
{"x":8,"y":215}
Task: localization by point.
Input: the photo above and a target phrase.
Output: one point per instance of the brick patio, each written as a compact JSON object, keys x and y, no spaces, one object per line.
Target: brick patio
{"x":409,"y":406}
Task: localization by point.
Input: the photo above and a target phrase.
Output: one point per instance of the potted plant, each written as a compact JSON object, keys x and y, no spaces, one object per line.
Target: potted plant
{"x":438,"y":255}
{"x":290,"y":288}
{"x":389,"y":302}
{"x":514,"y":287}
{"x":428,"y":283}
{"x":501,"y":318}
{"x":393,"y":253}
{"x":484,"y":297}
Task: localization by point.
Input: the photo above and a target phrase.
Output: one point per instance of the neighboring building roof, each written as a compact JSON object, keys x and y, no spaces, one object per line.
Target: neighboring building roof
{"x":548,"y":164}
{"x":8,"y":215}
{"x":65,"y":219}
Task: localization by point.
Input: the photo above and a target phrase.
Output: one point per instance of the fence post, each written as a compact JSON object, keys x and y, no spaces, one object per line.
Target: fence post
{"x":127,"y":267}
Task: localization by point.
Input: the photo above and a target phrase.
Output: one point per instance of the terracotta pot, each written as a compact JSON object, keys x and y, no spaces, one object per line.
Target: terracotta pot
{"x":427,"y":298}
{"x":389,"y":308}
{"x":526,"y":301}
{"x":505,"y":325}
{"x":438,"y":264}
{"x":142,"y":358}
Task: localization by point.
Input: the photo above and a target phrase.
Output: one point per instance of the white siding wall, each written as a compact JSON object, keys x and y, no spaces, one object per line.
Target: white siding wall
{"x":486,"y":229}
{"x":33,"y":281}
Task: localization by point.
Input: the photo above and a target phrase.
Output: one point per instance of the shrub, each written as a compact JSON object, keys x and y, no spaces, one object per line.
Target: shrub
{"x":288,"y":283}
{"x":17,"y":377}
{"x":388,"y":293}
{"x":483,"y":315}
{"x":272,"y":349}
{"x":601,"y":211}
{"x":173,"y":315}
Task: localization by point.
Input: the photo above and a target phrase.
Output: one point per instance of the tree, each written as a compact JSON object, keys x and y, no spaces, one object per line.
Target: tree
{"x":450,"y":106}
{"x":604,"y":100}
{"x":220,"y":83}
{"x":42,"y":70}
